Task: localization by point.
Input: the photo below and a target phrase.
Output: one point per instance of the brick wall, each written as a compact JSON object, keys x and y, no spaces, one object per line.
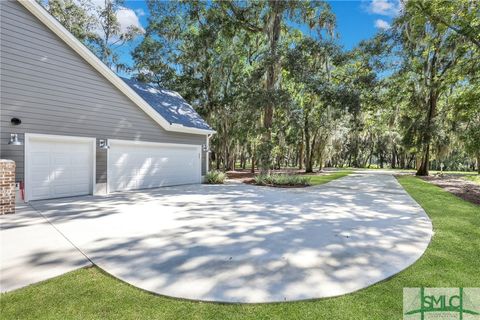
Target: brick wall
{"x":7,"y":186}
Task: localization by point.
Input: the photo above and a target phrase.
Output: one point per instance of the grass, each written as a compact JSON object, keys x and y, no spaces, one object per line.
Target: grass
{"x":451,"y":260}
{"x":321,"y":179}
{"x":431,"y":172}
{"x":466,"y":173}
{"x":475,"y":178}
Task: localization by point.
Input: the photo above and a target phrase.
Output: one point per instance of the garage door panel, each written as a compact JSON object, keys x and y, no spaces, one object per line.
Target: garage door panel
{"x":59,"y":167}
{"x":40,"y":158}
{"x":39,"y":176}
{"x":142,"y":166}
{"x":40,"y":192}
{"x":81,"y":175}
{"x":61,"y":158}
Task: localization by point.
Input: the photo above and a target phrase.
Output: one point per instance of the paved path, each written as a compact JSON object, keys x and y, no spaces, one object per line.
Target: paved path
{"x":32,"y":250}
{"x":243,"y":243}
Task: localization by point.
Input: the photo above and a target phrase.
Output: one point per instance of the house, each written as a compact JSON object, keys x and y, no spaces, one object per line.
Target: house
{"x":74,"y":127}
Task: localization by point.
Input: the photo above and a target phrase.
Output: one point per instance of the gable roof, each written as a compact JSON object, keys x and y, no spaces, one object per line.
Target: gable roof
{"x":169,"y":104}
{"x":185,"y":118}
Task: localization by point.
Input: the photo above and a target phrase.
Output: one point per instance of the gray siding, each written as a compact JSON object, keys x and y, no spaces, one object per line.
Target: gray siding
{"x":54,"y":91}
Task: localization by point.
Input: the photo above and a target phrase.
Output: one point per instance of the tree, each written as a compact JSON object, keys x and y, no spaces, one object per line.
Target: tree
{"x":459,"y":16}
{"x":112,"y":36}
{"x":75,"y":17}
{"x":429,"y":51}
{"x":96,"y":26}
{"x":269,"y":18}
{"x":272,"y":80}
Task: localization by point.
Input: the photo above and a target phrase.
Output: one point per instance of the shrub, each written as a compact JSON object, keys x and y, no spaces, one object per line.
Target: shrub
{"x":215,"y":177}
{"x":282,"y":180}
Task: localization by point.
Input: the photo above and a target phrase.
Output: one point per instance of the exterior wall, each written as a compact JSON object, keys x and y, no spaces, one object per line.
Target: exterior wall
{"x":52,"y":90}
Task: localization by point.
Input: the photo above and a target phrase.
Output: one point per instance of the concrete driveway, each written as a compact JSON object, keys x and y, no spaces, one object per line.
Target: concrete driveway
{"x":32,"y":250}
{"x":243,"y":243}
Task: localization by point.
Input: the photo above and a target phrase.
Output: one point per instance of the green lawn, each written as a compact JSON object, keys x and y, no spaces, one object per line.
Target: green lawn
{"x":474,"y":178}
{"x":431,"y":172}
{"x":321,"y":179}
{"x":451,"y":260}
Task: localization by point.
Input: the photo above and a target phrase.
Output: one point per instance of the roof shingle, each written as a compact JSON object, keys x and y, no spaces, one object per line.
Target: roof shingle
{"x":169,"y":104}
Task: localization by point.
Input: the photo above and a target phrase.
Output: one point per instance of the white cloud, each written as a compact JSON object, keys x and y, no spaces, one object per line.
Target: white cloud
{"x":382,"y":24}
{"x":140,"y":12}
{"x":128,"y":18}
{"x":384,"y":7}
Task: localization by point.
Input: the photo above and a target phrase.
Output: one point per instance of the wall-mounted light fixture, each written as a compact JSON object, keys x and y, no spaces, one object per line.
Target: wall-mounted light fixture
{"x":14,"y":140}
{"x":15,"y":121}
{"x":205,"y":148}
{"x":103,"y":144}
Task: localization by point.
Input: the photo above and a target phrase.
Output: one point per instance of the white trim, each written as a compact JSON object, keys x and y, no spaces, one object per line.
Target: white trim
{"x":29,"y":136}
{"x":38,"y":11}
{"x":207,"y":155}
{"x":151,"y":143}
{"x":107,"y":187}
{"x":112,"y":142}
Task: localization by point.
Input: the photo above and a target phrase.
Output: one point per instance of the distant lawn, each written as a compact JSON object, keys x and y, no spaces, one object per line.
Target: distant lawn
{"x":451,"y":260}
{"x":321,"y":179}
{"x":468,"y":173}
{"x":473,"y":178}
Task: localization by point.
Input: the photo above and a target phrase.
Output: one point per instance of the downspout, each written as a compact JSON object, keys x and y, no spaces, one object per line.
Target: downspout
{"x":207,"y":156}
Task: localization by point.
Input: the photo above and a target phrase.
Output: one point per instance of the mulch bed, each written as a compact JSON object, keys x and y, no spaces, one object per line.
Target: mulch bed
{"x":467,"y":190}
{"x":252,"y":181}
{"x":246,"y":176}
{"x":243,"y":174}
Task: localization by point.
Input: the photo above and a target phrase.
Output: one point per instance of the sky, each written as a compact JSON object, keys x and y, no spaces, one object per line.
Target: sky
{"x":356,"y":20}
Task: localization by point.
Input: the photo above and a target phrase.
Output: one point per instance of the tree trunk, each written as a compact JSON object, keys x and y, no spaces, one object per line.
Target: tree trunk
{"x":478,"y":163}
{"x":402,"y":161}
{"x":273,"y":33}
{"x":300,"y":155}
{"x":423,"y":168}
{"x":432,"y":108}
{"x":252,"y":170}
{"x":320,"y":160}
{"x":308,"y":153}
{"x":394,"y":158}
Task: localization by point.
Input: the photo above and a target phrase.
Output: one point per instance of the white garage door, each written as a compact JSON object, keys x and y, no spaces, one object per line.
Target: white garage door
{"x":57,"y":166}
{"x":142,"y":165}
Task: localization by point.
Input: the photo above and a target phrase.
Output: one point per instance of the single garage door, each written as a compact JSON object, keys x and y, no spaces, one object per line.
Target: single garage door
{"x":142,"y":165}
{"x":58,"y":166}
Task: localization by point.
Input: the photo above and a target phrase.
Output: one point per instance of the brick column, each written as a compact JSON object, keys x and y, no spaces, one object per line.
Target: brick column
{"x":7,"y":186}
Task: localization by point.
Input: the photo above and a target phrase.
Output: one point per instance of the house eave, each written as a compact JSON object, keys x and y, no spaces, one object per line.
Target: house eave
{"x":38,"y":11}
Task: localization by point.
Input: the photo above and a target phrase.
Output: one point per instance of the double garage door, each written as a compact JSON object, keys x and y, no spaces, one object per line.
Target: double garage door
{"x":150,"y":165}
{"x":58,"y":166}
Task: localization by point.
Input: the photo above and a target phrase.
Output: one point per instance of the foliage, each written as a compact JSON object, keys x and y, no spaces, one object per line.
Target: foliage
{"x":272,"y":79}
{"x":215,"y":177}
{"x":74,"y":16}
{"x":277,"y":179}
{"x":97,"y":26}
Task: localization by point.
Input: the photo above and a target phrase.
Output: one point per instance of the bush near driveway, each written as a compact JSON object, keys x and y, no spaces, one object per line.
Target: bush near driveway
{"x":215,"y":177}
{"x":282,"y":180}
